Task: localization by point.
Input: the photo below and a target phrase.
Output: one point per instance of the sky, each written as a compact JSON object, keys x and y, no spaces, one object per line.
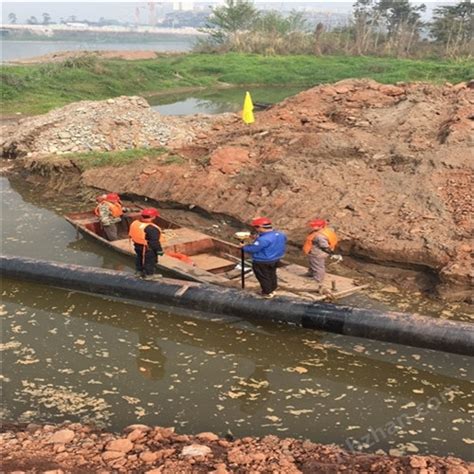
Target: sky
{"x":124,"y":11}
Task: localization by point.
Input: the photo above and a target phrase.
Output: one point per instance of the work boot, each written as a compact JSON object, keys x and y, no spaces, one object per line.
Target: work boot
{"x":156,"y":276}
{"x":269,"y":295}
{"x":139,"y":274}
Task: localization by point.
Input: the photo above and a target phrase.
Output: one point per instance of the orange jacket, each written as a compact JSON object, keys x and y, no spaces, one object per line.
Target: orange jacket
{"x":115,"y":209}
{"x":326,"y":232}
{"x":137,"y":232}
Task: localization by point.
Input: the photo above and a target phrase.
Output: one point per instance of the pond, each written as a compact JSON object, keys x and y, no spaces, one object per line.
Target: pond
{"x":219,"y":100}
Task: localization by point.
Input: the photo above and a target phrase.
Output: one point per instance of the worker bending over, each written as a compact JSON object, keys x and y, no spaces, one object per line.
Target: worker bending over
{"x":319,"y":245}
{"x":266,"y":251}
{"x":145,"y":235}
{"x":109,"y":210}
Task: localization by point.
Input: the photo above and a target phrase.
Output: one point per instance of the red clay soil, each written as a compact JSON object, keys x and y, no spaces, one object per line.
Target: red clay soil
{"x":389,"y":166}
{"x":81,"y":449}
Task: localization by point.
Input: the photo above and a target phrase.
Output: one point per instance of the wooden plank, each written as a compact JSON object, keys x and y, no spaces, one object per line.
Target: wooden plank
{"x":210,"y":262}
{"x":125,"y":245}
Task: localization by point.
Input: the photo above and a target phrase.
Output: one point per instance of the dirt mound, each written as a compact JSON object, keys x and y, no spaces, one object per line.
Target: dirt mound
{"x":113,"y":124}
{"x":153,"y":450}
{"x":389,"y":166}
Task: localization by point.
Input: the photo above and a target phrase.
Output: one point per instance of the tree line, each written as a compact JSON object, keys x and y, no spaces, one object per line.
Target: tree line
{"x":376,"y":27}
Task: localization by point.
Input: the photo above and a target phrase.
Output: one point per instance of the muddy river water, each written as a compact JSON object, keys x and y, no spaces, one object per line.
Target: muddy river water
{"x":74,"y":356}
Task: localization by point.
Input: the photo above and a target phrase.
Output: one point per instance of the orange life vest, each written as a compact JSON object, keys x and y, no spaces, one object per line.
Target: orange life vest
{"x":137,"y":232}
{"x":326,"y":232}
{"x":115,"y":209}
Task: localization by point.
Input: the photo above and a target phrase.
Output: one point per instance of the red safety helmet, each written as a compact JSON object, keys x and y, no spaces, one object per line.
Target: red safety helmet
{"x":318,"y":223}
{"x":113,"y":197}
{"x":261,"y":221}
{"x":150,"y":212}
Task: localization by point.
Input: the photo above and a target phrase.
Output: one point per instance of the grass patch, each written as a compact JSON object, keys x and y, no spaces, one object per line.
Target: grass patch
{"x":96,"y":159}
{"x":38,"y":88}
{"x":173,"y":160}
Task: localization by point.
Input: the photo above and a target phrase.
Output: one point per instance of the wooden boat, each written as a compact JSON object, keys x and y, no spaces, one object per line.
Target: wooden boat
{"x":194,"y":256}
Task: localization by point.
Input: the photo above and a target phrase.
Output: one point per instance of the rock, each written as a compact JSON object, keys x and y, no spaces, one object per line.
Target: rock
{"x":148,"y":456}
{"x":111,"y":455}
{"x":62,"y":436}
{"x":137,"y":426}
{"x":456,"y":470}
{"x":411,"y":448}
{"x":418,"y":462}
{"x":136,"y":434}
{"x":259,"y":457}
{"x":207,"y":436}
{"x":164,"y":453}
{"x":121,"y":445}
{"x":33,"y":427}
{"x":395,"y":452}
{"x":220,"y":468}
{"x":195,"y":450}
{"x":154,"y":471}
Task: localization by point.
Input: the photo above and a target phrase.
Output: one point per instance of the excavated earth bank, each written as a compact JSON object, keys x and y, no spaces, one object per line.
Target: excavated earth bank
{"x":389,"y":166}
{"x":75,"y":448}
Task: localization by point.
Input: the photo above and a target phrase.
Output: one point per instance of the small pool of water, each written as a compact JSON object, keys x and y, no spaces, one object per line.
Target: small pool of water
{"x":218,"y":101}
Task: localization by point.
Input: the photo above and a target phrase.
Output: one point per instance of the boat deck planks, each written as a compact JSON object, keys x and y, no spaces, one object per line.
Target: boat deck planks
{"x":210,"y":262}
{"x":214,"y":260}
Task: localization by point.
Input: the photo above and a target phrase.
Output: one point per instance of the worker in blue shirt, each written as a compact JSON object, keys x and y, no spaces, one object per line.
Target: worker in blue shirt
{"x":266,"y":250}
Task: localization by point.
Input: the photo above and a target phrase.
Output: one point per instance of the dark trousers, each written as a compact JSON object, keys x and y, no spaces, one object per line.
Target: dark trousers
{"x":266,"y":274}
{"x":111,"y":231}
{"x":145,"y":259}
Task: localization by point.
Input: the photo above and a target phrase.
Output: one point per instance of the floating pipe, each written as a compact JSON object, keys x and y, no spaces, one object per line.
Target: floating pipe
{"x":398,"y":328}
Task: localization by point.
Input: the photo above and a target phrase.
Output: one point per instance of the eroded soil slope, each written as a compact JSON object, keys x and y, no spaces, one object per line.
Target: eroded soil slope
{"x":389,"y":166}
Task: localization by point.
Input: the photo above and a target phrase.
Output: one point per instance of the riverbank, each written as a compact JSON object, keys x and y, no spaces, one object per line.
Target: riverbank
{"x":354,"y":152}
{"x":152,"y":450}
{"x":35,"y":89}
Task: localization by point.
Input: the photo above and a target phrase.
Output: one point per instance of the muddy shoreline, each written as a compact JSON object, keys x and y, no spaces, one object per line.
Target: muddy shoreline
{"x":77,"y":448}
{"x":56,"y":177}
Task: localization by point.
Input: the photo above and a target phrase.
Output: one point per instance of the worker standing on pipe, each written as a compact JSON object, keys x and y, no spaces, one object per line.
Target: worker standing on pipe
{"x":320,"y":244}
{"x":145,"y":235}
{"x":266,"y":250}
{"x":109,"y":210}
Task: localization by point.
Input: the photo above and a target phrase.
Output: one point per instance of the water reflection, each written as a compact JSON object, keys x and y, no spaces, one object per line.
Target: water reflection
{"x":150,"y":359}
{"x":218,"y":101}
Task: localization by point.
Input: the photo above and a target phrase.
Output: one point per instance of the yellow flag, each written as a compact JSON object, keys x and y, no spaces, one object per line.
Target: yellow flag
{"x":247,"y":112}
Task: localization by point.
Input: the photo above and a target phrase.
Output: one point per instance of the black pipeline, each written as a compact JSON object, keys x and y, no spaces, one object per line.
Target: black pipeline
{"x":399,"y":328}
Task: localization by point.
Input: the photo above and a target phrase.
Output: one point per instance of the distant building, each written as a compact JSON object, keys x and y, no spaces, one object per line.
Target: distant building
{"x":183,"y":6}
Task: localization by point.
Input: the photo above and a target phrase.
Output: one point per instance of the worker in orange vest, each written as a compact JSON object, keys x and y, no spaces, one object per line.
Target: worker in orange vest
{"x":320,"y":244}
{"x":145,"y":235}
{"x":109,"y":210}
